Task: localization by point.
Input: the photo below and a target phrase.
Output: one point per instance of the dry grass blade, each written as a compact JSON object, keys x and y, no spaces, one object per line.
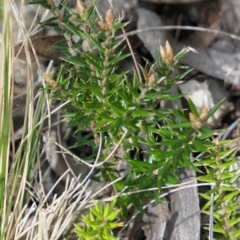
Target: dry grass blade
{"x":20,"y":161}
{"x":52,"y":221}
{"x":6,"y":89}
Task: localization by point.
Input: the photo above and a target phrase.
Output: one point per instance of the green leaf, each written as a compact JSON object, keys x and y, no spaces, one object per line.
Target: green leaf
{"x":153,"y":96}
{"x":140,"y":165}
{"x":105,"y":116}
{"x":76,"y":62}
{"x":97,"y":207}
{"x":127,"y":99}
{"x":138,"y":112}
{"x":42,"y":3}
{"x":184,"y":74}
{"x":162,"y":172}
{"x":225,"y":154}
{"x":160,"y":155}
{"x":113,"y":225}
{"x":193,"y":108}
{"x":112,"y":215}
{"x":97,"y":43}
{"x":134,"y":92}
{"x":214,"y":108}
{"x":75,"y":30}
{"x":106,"y":127}
{"x":118,"y":59}
{"x":197,"y":146}
{"x":119,"y":111}
{"x":98,"y":214}
{"x":171,"y":143}
{"x":205,"y":133}
{"x":138,"y":204}
{"x":83,"y":123}
{"x":160,"y":62}
{"x":91,"y":60}
{"x":207,"y":179}
{"x":179,"y":114}
{"x":89,"y":14}
{"x":180,"y":56}
{"x":230,"y":196}
{"x":171,"y":180}
{"x":180,"y":125}
{"x":94,"y":89}
{"x":106,"y":210}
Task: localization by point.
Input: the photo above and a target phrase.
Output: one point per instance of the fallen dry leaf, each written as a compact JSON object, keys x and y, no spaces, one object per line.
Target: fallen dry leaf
{"x":42,"y":46}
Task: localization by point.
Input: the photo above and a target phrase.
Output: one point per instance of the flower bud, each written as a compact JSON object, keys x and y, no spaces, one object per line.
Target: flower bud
{"x":80,"y":8}
{"x":195,"y":122}
{"x":48,"y":79}
{"x":108,"y":22}
{"x":203,"y":115}
{"x":216,"y":141}
{"x":149,"y":78}
{"x":109,"y":18}
{"x":167,"y":53}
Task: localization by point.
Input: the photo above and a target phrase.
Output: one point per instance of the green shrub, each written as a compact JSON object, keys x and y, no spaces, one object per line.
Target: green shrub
{"x":100,"y":223}
{"x":122,"y":113}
